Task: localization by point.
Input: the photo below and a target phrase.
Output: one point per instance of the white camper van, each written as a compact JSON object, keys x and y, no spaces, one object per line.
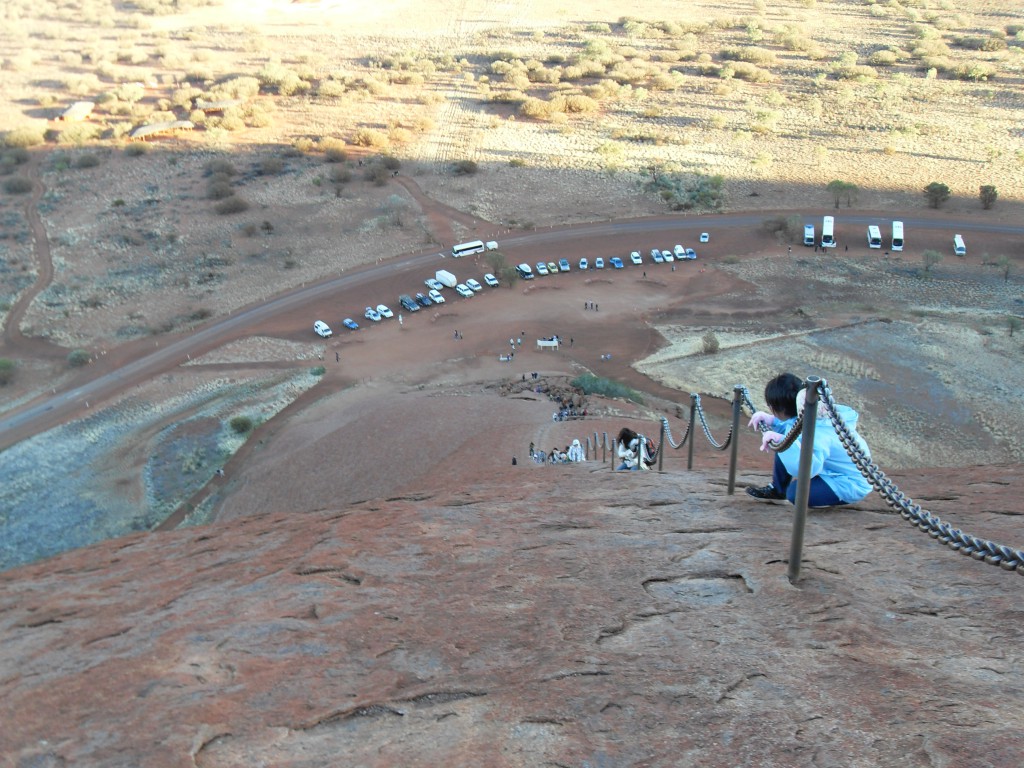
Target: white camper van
{"x":828,"y":239}
{"x":808,"y":235}
{"x":958,"y":246}
{"x":874,"y":237}
{"x":897,"y":235}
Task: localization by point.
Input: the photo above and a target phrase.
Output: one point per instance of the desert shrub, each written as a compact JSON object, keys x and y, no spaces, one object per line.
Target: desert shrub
{"x":335,"y":154}
{"x":597,"y":385}
{"x":368,"y":137}
{"x":391,"y":162}
{"x":233,"y":204}
{"x":136,"y":149}
{"x":14,"y":156}
{"x":303,"y":145}
{"x":709,"y":343}
{"x":465,"y":168}
{"x":930,"y":258}
{"x":17,"y":185}
{"x":220,"y":165}
{"x":536,"y":109}
{"x":240,"y":424}
{"x":752,"y":54}
{"x":318,"y":370}
{"x":7,"y":370}
{"x":79,"y":357}
{"x":78,"y":134}
{"x":987,"y":194}
{"x":271,"y":166}
{"x":577,"y":104}
{"x":883,"y":58}
{"x":86,"y":161}
{"x":974,"y":70}
{"x":24,"y":137}
{"x":517,"y":162}
{"x":859,"y":72}
{"x":340,"y":175}
{"x":378,"y":174}
{"x":219,"y":190}
{"x":745,"y":71}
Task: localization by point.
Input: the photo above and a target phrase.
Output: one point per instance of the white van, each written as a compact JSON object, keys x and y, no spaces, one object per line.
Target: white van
{"x":322,"y":329}
{"x":491,"y":245}
{"x":958,"y":246}
{"x":808,"y":235}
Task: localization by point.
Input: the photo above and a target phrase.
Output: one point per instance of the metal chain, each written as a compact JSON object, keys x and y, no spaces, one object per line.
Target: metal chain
{"x":707,"y":431}
{"x":980,"y":549}
{"x":668,"y":434}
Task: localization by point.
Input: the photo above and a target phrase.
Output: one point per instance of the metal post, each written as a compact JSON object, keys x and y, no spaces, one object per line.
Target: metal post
{"x":693,"y":429}
{"x":803,"y":478}
{"x":661,"y":448}
{"x":737,"y":394}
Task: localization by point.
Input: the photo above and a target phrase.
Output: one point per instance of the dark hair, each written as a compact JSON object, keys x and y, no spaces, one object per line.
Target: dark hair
{"x":626,"y":436}
{"x":780,"y":394}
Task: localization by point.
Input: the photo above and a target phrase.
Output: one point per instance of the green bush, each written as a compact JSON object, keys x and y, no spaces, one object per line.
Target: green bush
{"x":79,"y":357}
{"x":219,"y":190}
{"x":136,"y":149}
{"x":7,"y":369}
{"x":240,"y":425}
{"x":220,"y":166}
{"x":86,"y":161}
{"x":233,"y":204}
{"x":318,"y":370}
{"x":709,"y":343}
{"x":465,"y":168}
{"x":596,"y":385}
{"x":24,"y":137}
{"x":18,"y":185}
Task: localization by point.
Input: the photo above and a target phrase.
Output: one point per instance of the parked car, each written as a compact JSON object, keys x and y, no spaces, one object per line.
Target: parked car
{"x":474,"y":286}
{"x":384,"y":311}
{"x":563,"y":265}
{"x":423,"y":301}
{"x":584,"y":264}
{"x":635,"y":257}
{"x":372,"y":315}
{"x":322,"y":329}
{"x":679,"y":252}
{"x":704,"y":237}
{"x":542,"y":268}
{"x":667,"y":256}
{"x":491,"y":280}
{"x":656,"y":255}
{"x":436,"y":297}
{"x":407,"y":302}
{"x":351,"y":324}
{"x":616,"y":262}
{"x":598,"y":263}
{"x":691,"y":254}
{"x":432,"y":284}
{"x":552,"y":268}
{"x":464,"y":290}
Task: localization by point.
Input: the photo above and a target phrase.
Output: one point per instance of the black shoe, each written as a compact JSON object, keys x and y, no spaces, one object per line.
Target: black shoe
{"x":767,"y":492}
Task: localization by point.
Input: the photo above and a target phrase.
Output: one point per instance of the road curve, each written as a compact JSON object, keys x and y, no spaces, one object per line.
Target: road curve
{"x":45,"y":413}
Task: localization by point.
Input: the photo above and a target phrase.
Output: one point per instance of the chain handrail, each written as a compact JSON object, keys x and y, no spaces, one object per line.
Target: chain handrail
{"x":668,"y":434}
{"x":1007,"y":558}
{"x":704,"y":426}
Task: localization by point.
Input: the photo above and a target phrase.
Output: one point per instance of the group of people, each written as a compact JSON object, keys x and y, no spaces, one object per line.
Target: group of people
{"x":573,"y":453}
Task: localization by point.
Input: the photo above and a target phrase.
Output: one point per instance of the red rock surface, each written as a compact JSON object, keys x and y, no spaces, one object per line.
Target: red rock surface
{"x":542,"y":616}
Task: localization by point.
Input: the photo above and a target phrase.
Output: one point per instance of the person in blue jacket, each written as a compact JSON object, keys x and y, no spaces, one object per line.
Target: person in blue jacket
{"x":835,"y":479}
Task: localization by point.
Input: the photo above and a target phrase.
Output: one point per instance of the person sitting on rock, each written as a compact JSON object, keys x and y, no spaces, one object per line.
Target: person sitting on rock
{"x":835,"y":479}
{"x":626,"y":445}
{"x":575,"y":452}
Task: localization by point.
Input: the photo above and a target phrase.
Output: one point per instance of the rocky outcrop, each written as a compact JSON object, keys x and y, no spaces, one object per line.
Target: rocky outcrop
{"x":550,"y":616}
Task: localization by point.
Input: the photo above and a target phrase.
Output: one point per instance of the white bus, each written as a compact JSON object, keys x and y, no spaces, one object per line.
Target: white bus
{"x":465,"y":249}
{"x":874,"y":237}
{"x":958,"y":245}
{"x":897,"y":235}
{"x":828,"y":240}
{"x":808,"y":235}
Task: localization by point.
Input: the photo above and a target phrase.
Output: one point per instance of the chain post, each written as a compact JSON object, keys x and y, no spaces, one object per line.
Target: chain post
{"x":803,"y":479}
{"x":661,"y":447}
{"x":737,"y":402}
{"x":693,"y":420}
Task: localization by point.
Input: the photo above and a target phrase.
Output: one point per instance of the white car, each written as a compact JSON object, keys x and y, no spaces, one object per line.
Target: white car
{"x":372,"y":315}
{"x":542,"y":268}
{"x":598,"y":263}
{"x":704,"y":237}
{"x":436,"y":297}
{"x":679,"y":252}
{"x":383,"y":311}
{"x":635,"y":257}
{"x":657,"y":257}
{"x":667,"y":256}
{"x":491,"y":280}
{"x":322,"y":329}
{"x":584,"y":264}
{"x":691,"y":254}
{"x":464,"y":290}
{"x":432,"y":284}
{"x":474,"y":286}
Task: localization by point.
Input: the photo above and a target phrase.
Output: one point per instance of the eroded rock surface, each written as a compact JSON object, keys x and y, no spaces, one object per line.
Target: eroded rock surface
{"x":550,"y":616}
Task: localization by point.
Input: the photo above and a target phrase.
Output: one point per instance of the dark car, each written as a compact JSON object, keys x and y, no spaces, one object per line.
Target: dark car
{"x":422,"y":300}
{"x":406,"y":301}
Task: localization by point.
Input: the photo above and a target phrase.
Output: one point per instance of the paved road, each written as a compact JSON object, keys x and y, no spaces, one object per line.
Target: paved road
{"x":53,"y":410}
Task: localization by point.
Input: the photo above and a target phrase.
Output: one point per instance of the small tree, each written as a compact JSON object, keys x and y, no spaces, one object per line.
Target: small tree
{"x":930,"y":259}
{"x":937,"y":193}
{"x":240,"y":424}
{"x":7,"y":368}
{"x":1004,"y":265}
{"x":850,"y":192}
{"x":709,"y":343}
{"x":79,"y":357}
{"x":836,"y":188}
{"x":987,"y":194}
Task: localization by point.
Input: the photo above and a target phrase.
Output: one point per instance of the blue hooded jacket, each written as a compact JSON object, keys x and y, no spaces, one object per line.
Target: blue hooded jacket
{"x":830,"y":460}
